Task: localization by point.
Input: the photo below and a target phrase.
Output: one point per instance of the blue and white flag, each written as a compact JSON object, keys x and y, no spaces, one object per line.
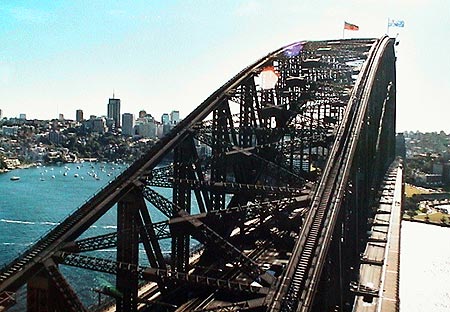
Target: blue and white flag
{"x":396,"y":23}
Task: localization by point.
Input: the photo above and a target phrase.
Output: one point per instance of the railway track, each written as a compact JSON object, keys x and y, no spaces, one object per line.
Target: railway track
{"x":298,"y":287}
{"x":250,"y":167}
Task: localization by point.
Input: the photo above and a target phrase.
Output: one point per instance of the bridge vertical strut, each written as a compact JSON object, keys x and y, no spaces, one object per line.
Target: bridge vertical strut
{"x":49,"y":291}
{"x":182,"y":199}
{"x":269,"y":185}
{"x":128,"y":250}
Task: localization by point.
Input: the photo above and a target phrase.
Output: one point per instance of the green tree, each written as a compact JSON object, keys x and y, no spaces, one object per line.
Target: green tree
{"x":411,"y":214}
{"x":410,"y":203}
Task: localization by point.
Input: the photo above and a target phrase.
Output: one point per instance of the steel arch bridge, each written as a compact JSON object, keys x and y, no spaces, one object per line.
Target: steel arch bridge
{"x":273,"y":178}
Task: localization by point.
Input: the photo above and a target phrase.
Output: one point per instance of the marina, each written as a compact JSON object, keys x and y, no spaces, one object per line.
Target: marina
{"x":44,"y":196}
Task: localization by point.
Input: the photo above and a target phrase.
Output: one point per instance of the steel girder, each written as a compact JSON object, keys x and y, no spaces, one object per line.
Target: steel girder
{"x":154,"y":274}
{"x":301,"y":280}
{"x":262,"y":147}
{"x":162,"y":228}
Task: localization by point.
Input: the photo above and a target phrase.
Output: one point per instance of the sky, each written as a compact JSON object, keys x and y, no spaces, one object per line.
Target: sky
{"x":60,"y":56}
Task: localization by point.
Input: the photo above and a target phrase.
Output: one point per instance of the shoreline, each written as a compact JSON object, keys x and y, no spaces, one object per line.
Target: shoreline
{"x":37,"y":164}
{"x":22,"y":166}
{"x":427,"y":222}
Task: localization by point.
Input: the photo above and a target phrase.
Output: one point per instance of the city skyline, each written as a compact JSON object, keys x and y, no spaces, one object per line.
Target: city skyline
{"x":60,"y":56}
{"x":80,"y":114}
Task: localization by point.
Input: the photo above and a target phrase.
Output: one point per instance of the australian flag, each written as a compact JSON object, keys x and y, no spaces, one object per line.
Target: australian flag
{"x":396,"y":23}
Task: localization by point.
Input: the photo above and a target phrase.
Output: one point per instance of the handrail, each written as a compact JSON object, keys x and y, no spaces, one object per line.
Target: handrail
{"x":327,"y":199}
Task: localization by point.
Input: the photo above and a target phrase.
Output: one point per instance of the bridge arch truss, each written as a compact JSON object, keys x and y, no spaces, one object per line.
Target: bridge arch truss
{"x":272,"y":179}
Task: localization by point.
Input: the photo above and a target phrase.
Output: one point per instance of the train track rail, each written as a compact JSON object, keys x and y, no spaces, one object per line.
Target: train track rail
{"x":297,"y":289}
{"x":259,"y":173}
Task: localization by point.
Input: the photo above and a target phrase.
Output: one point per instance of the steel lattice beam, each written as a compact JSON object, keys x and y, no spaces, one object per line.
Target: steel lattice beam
{"x":109,"y":240}
{"x":263,"y":146}
{"x":208,"y":235}
{"x":162,"y":228}
{"x":223,"y":187}
{"x":154,"y":274}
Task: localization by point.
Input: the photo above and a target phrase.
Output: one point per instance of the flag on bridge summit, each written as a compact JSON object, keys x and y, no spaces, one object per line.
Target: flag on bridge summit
{"x":396,"y":23}
{"x":349,"y":26}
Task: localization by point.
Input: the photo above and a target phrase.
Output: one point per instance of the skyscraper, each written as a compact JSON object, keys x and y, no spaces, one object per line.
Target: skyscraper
{"x":165,"y":119}
{"x":1,"y":114}
{"x":114,"y":111}
{"x":175,"y":117}
{"x":165,"y":124}
{"x":142,"y":113}
{"x":79,"y":115}
{"x":127,"y":124}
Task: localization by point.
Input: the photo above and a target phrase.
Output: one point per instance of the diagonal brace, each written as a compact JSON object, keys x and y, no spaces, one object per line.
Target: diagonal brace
{"x":210,"y":237}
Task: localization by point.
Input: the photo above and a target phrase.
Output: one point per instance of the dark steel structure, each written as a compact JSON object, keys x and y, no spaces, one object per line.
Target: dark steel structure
{"x":277,"y":208}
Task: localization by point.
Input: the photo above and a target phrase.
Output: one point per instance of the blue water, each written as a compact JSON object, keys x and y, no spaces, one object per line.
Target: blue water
{"x":44,"y":196}
{"x":36,"y":203}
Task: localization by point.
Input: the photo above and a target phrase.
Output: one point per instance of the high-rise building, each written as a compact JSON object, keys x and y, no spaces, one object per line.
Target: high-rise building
{"x":142,"y":113}
{"x":128,"y":124}
{"x":175,"y":117}
{"x":165,"y":119}
{"x":114,"y":111}
{"x":146,"y":127}
{"x":110,"y":124}
{"x":1,"y":114}
{"x":166,"y":126}
{"x":61,"y":117}
{"x":79,"y":115}
{"x":99,"y":125}
{"x":23,"y":116}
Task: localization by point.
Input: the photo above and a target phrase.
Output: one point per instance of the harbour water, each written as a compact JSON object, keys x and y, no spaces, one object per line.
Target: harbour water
{"x":424,"y":268}
{"x":42,"y":197}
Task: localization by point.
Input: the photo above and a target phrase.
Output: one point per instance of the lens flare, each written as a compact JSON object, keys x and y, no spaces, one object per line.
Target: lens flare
{"x":269,"y":77}
{"x":294,"y":50}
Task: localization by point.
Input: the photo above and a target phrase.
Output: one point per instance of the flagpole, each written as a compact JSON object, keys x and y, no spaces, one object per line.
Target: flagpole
{"x":343,"y":31}
{"x":387,"y":27}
